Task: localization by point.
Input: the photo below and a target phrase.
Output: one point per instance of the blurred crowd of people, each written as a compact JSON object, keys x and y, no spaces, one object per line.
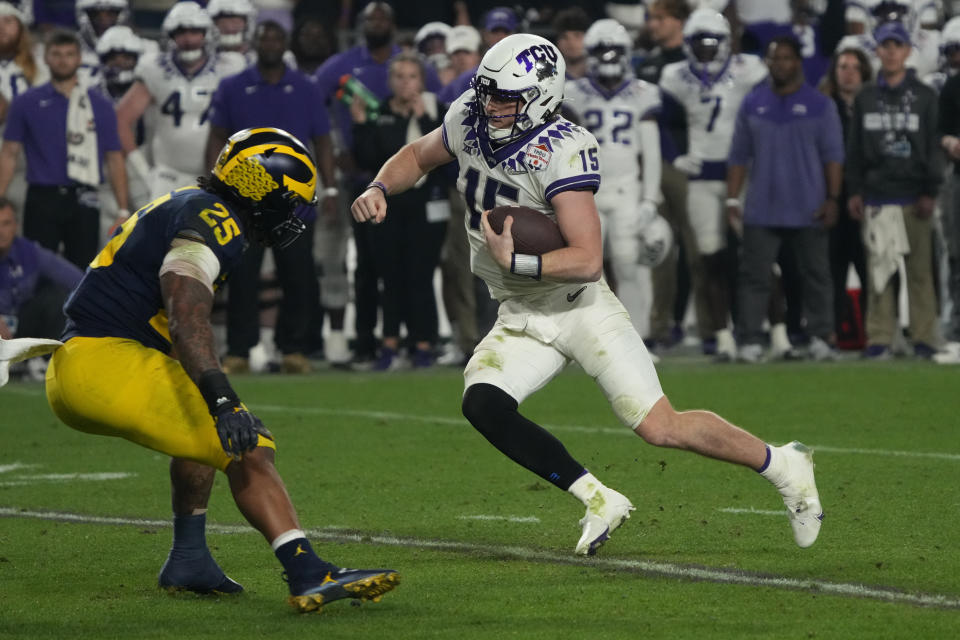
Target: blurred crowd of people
{"x":779,"y":177}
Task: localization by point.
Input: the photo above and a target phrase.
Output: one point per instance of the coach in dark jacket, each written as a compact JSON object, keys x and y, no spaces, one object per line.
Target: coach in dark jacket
{"x":408,"y":245}
{"x":894,"y":171}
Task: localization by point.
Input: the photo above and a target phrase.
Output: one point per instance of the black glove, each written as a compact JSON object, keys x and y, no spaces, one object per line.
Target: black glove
{"x":238,"y":430}
{"x":237,"y":427}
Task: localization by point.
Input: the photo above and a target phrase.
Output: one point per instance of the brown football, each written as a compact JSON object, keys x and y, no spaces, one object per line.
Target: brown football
{"x":533,"y":232}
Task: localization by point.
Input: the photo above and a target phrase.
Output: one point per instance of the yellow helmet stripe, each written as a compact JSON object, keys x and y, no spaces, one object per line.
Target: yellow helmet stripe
{"x":260,"y":148}
{"x":306,"y":190}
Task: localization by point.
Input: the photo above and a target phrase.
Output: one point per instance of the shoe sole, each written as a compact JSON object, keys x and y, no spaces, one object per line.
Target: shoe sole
{"x":370,"y":588}
{"x":173,"y":591}
{"x":599,"y":541}
{"x":798,"y":514}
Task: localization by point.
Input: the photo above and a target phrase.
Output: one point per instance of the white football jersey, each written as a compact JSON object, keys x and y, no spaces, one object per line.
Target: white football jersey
{"x":613,"y":117}
{"x":712,"y":108}
{"x":550,"y":159}
{"x":180,"y":107}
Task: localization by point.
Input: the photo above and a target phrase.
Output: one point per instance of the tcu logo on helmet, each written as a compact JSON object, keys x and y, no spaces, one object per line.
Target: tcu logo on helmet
{"x":529,"y":56}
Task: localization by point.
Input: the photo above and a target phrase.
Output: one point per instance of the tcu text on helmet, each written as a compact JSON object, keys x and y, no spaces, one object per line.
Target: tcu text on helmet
{"x":529,"y":56}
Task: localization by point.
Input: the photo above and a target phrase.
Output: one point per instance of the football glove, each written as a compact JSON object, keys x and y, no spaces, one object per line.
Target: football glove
{"x":688,"y":164}
{"x":239,"y":430}
{"x":646,"y":213}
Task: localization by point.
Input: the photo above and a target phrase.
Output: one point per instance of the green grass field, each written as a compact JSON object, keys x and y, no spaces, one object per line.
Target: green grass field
{"x":385,"y":472}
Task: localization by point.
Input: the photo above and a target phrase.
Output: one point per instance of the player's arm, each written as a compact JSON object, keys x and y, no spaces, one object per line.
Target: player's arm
{"x":651,"y":159}
{"x":186,"y":284}
{"x":217,"y":137}
{"x":117,"y":171}
{"x":131,"y":107}
{"x":9,"y":153}
{"x":580,"y":261}
{"x":399,"y":173}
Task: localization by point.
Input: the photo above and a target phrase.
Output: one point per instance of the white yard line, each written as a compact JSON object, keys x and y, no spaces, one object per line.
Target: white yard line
{"x":645,"y":567}
{"x":462,"y":422}
{"x":16,"y":466}
{"x":525,"y":519}
{"x":21,"y":480}
{"x":754,"y":512}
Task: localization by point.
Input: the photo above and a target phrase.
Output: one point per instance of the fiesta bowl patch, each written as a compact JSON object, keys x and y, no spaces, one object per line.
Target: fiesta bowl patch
{"x":536,"y":156}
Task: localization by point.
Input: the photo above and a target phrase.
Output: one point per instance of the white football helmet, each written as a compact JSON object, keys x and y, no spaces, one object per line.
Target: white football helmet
{"x":240,"y":8}
{"x":437,"y":59}
{"x":84,"y":13}
{"x":22,"y":10}
{"x":706,"y":42}
{"x":118,"y":39}
{"x":608,"y":48}
{"x":527,"y":70}
{"x":188,"y":15}
{"x":656,"y":241}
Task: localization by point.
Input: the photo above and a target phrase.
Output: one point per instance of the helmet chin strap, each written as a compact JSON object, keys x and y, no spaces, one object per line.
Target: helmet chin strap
{"x":499,"y":134}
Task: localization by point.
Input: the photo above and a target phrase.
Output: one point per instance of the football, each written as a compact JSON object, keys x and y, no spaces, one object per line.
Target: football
{"x":533,"y":232}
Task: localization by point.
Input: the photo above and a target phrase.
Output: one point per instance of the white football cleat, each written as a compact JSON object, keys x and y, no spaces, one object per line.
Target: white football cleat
{"x":607,"y":511}
{"x":799,"y":491}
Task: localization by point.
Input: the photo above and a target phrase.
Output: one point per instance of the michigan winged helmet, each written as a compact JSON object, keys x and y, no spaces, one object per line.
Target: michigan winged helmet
{"x":267,"y":174}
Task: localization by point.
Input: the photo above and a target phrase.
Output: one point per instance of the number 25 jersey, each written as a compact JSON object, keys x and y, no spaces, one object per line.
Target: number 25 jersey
{"x":119,"y":295}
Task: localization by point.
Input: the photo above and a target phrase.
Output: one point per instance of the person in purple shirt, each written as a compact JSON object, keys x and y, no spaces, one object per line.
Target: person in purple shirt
{"x":62,"y":203}
{"x":34,"y":283}
{"x":368,"y":64}
{"x":270,"y":94}
{"x":791,"y":134}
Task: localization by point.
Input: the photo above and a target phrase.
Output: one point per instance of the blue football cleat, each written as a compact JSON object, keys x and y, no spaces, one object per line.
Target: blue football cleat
{"x":197,"y":572}
{"x":362,"y":584}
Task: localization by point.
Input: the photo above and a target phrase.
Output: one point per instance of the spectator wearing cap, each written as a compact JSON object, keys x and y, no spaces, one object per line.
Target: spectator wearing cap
{"x":34,"y":283}
{"x":791,"y":136}
{"x":66,"y":131}
{"x":570,"y":27}
{"x":431,"y":43}
{"x":366,"y":63}
{"x":270,"y":94}
{"x":893,"y":176}
{"x":499,"y":23}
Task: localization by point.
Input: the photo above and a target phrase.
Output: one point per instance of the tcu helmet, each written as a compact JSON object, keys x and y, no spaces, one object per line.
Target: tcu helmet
{"x":526,"y":70}
{"x":267,"y":173}
{"x":608,"y":48}
{"x":233,"y":8}
{"x":188,"y":15}
{"x":118,"y":39}
{"x":86,"y":11}
{"x":706,"y":42}
{"x":950,"y":37}
{"x":656,"y":241}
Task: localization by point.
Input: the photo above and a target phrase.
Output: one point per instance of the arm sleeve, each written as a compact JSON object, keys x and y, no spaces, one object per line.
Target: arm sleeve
{"x":57,"y":269}
{"x":573,"y":164}
{"x":830,"y":135}
{"x":219,"y":112}
{"x":934,"y":155}
{"x":16,"y":122}
{"x":741,"y":146}
{"x":105,"y":118}
{"x":652,"y":168}
{"x":853,"y":169}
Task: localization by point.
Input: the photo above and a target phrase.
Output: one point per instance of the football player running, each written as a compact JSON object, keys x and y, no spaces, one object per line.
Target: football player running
{"x":139,"y":361}
{"x":177,"y":86}
{"x":709,"y":87}
{"x":620,"y":111}
{"x":514,"y":149}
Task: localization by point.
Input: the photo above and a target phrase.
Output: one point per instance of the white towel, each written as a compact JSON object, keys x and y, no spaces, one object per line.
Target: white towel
{"x":83,"y":160}
{"x":885,"y":237}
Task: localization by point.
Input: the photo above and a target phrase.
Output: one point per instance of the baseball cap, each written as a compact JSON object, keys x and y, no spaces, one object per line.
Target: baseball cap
{"x":500,"y":18}
{"x":891,"y":31}
{"x":463,"y":37}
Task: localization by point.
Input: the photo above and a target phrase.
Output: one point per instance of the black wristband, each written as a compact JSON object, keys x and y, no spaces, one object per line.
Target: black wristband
{"x":216,"y":391}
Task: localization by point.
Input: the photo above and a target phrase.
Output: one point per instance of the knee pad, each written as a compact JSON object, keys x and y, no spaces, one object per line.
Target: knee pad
{"x":484,"y":405}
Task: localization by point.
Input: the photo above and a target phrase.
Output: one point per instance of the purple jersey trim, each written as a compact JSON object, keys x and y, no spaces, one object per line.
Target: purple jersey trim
{"x":586,"y":181}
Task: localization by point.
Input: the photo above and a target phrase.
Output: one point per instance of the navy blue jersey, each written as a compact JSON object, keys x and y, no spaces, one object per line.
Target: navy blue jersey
{"x":119,"y":295}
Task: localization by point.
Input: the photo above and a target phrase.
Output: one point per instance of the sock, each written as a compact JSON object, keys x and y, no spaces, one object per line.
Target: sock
{"x":773,"y":469}
{"x":299,"y":560}
{"x":189,"y":532}
{"x":584,"y":487}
